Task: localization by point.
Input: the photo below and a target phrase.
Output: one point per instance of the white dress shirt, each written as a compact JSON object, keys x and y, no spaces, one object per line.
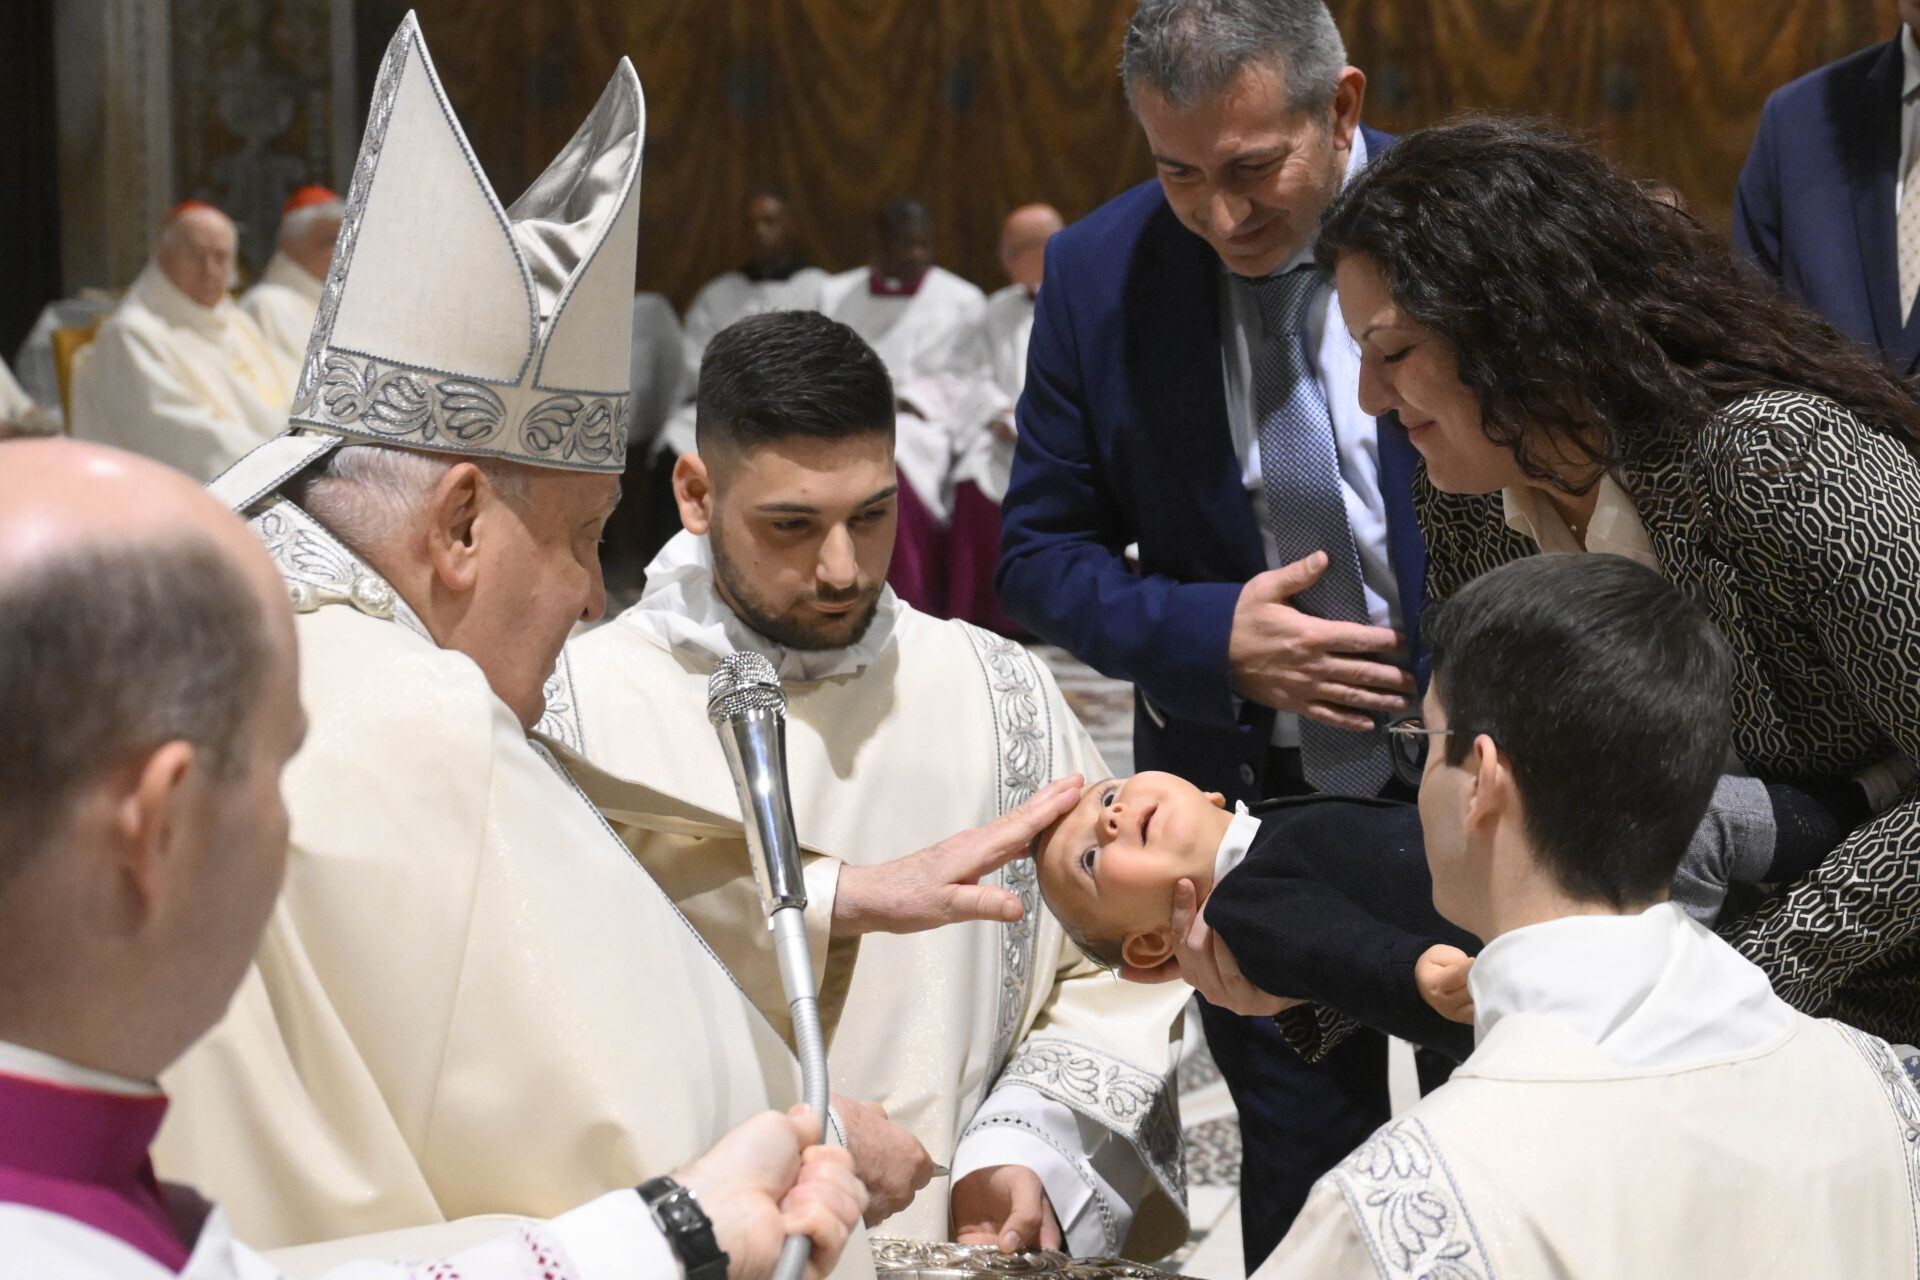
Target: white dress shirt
{"x":1614,"y":528}
{"x":1336,"y":362}
{"x":1909,"y":111}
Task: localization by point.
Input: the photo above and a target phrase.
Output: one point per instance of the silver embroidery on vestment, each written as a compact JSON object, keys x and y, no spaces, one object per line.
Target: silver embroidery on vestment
{"x":1409,"y":1209}
{"x":1901,"y":1096}
{"x":561,"y":720}
{"x":320,"y":570}
{"x":1115,"y":1094}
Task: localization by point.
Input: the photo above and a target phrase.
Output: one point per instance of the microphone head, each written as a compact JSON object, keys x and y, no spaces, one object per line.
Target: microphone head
{"x":743,"y":681}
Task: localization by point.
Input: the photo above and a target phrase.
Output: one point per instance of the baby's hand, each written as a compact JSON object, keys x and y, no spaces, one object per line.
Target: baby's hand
{"x":1441,"y":974}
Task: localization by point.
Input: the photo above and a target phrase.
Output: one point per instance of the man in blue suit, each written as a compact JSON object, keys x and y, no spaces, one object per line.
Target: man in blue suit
{"x":1822,"y":203}
{"x":1192,"y":392}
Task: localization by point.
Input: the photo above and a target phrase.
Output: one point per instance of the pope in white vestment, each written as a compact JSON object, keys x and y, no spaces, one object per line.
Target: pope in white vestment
{"x":993,"y":1044}
{"x":189,"y":382}
{"x":1640,"y":1104}
{"x":470,"y":998}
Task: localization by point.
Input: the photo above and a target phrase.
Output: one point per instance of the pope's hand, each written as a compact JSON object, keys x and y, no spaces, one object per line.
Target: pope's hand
{"x":941,"y":885}
{"x":1207,"y":964}
{"x":1006,"y":1206}
{"x":890,"y":1161}
{"x":768,"y":1179}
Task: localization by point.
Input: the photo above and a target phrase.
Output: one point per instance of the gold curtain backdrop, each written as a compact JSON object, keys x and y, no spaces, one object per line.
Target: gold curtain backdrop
{"x":975,"y":106}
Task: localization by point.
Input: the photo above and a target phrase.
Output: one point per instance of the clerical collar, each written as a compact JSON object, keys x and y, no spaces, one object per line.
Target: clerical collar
{"x":80,"y":1151}
{"x":1654,"y":990}
{"x":1235,"y":843}
{"x":682,"y":611}
{"x":894,"y":286}
{"x":156,"y":293}
{"x":786,"y":270}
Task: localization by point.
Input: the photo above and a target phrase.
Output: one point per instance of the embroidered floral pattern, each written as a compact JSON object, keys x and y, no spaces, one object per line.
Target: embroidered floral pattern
{"x":1114,"y":1093}
{"x":319,"y":570}
{"x":1023,"y":746}
{"x":561,"y":720}
{"x":1408,"y":1209}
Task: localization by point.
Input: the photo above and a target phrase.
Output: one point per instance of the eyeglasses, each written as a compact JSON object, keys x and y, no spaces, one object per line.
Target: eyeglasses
{"x":1408,"y":741}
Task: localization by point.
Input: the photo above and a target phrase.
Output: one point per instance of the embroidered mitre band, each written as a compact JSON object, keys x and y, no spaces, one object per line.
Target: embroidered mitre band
{"x":450,"y":323}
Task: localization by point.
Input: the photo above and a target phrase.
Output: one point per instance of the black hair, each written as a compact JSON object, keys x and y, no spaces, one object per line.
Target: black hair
{"x":903,"y":214}
{"x":1588,"y":320}
{"x":1608,"y":691}
{"x":789,"y":374}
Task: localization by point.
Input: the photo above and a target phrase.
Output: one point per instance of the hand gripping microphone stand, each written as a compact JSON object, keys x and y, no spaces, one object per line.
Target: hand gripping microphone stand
{"x":749,"y":712}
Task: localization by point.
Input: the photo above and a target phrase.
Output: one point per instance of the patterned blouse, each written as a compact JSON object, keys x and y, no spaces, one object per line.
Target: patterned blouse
{"x":1796,"y":526}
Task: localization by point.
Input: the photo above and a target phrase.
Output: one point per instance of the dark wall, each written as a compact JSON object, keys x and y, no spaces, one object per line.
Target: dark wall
{"x":979,"y":105}
{"x":29,"y":170}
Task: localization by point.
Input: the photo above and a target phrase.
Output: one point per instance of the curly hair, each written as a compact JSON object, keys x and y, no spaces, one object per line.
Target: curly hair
{"x":1588,"y":319}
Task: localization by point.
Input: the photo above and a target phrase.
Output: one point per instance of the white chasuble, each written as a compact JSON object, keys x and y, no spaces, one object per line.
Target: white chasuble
{"x":1640,"y":1104}
{"x":991,"y":1043}
{"x":191,"y":386}
{"x":470,"y":999}
{"x":284,"y":304}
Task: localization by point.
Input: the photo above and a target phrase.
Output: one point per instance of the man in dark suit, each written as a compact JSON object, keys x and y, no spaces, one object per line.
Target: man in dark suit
{"x":1192,"y":391}
{"x":1826,"y":202}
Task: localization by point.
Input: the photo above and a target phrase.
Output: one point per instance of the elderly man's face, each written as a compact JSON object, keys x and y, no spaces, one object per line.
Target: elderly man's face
{"x":1245,"y":171}
{"x":538,"y":573}
{"x":196,"y":253}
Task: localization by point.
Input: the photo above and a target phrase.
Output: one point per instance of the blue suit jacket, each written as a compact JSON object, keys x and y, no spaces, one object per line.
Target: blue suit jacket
{"x":1815,"y":202}
{"x":1124,"y":438}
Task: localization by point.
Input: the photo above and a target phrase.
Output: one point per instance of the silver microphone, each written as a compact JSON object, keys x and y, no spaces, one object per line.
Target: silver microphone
{"x":748,"y":709}
{"x":749,"y":712}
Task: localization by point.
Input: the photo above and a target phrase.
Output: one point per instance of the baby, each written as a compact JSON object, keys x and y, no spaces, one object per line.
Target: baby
{"x":1325,"y":899}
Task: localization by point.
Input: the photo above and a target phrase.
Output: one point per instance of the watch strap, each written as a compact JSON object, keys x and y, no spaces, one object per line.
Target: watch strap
{"x":687,"y":1228}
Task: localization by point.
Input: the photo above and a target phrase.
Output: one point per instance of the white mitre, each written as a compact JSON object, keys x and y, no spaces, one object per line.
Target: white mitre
{"x":450,"y":323}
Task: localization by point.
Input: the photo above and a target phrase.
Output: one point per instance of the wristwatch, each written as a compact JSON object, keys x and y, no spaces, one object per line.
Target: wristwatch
{"x":687,"y":1228}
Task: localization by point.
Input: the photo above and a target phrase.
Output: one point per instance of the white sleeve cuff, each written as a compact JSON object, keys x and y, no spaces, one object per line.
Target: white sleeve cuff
{"x":1092,"y":1177}
{"x":820,"y":878}
{"x":615,"y":1237}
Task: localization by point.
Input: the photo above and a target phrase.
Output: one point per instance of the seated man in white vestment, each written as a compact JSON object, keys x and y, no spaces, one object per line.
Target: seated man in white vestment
{"x":917,"y":315}
{"x":1042,"y":1081}
{"x":471,"y":998}
{"x":148,"y":675}
{"x":287,"y":297}
{"x":1638,"y":1102}
{"x":178,"y":372}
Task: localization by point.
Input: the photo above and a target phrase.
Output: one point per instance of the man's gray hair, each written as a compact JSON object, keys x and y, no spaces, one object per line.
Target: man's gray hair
{"x":1189,"y":51}
{"x":107,"y":652}
{"x":367,"y":495}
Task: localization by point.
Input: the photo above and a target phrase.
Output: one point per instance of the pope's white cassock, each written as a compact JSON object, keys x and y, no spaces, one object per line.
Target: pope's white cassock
{"x":79,"y":1204}
{"x":992,"y":1043}
{"x":191,"y":386}
{"x":283,"y":304}
{"x":471,"y":998}
{"x":917,"y":330}
{"x":1640,"y":1104}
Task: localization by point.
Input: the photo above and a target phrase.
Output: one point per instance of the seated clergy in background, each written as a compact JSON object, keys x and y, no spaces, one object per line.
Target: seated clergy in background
{"x":286,"y":299}
{"x":1639,"y":1101}
{"x":471,"y":998}
{"x":917,"y":315}
{"x":1044,"y":1083}
{"x":776,"y":277}
{"x":148,"y":675}
{"x":178,"y":372}
{"x":983,"y":439}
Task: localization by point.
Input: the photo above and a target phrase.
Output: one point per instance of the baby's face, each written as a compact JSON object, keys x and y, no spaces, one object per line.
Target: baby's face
{"x":1110,"y":866}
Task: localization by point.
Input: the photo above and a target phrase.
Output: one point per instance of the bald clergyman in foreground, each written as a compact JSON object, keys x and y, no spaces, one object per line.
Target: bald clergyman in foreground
{"x":179,"y":372}
{"x":148,"y":678}
{"x":471,"y":997}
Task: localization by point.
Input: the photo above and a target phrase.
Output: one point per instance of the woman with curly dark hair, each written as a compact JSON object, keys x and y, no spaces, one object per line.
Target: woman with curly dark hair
{"x":1584,"y":368}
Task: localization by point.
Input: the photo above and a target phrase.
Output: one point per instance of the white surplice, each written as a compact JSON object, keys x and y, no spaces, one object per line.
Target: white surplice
{"x":1640,"y":1104}
{"x":991,"y":1043}
{"x":284,"y":304}
{"x":14,"y":402}
{"x":470,"y":999}
{"x":926,"y":333}
{"x":728,"y":297}
{"x":191,"y":386}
